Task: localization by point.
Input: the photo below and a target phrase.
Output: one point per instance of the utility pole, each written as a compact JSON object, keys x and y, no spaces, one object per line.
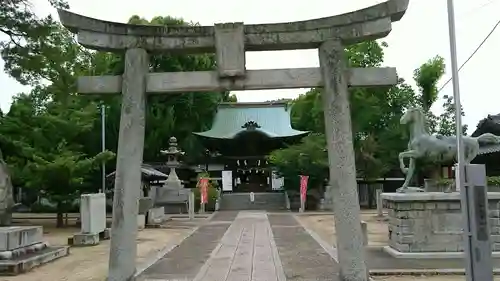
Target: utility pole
{"x":471,"y":183}
{"x":103,"y":142}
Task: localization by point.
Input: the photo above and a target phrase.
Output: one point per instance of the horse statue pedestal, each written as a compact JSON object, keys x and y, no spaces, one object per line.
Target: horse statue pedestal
{"x":409,"y":189}
{"x":429,"y":225}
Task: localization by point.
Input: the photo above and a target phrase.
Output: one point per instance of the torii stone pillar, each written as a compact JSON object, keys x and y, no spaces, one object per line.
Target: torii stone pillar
{"x":128,"y":166}
{"x":229,"y":43}
{"x":343,"y":183}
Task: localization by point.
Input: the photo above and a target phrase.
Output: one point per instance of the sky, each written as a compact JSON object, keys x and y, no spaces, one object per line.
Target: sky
{"x":420,"y":35}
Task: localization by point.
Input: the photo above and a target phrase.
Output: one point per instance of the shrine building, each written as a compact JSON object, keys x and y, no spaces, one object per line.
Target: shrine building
{"x":241,"y":137}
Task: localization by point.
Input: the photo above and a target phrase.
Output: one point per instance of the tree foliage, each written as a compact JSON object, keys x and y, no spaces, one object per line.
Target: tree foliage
{"x":19,"y":22}
{"x":51,"y":136}
{"x":427,"y":76}
{"x":375,"y":114}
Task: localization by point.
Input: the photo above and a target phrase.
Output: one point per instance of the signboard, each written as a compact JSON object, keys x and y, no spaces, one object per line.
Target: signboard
{"x":277,"y":183}
{"x":203,"y":190}
{"x":227,"y":180}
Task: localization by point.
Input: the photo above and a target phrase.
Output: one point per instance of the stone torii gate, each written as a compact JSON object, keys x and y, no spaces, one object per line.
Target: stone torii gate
{"x":229,"y":42}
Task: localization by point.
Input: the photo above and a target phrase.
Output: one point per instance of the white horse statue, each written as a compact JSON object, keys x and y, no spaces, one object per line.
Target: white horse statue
{"x":437,"y":148}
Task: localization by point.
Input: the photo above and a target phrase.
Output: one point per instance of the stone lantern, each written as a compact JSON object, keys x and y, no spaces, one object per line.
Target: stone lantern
{"x":172,"y":195}
{"x":173,"y":154}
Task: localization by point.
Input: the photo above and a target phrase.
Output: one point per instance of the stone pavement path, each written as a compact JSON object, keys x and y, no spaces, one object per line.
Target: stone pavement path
{"x":302,"y":257}
{"x":246,"y":246}
{"x":245,"y":253}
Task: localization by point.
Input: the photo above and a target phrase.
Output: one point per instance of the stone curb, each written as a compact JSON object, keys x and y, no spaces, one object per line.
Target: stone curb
{"x":280,"y":272}
{"x":419,"y":272}
{"x":154,"y":257}
{"x":332,"y":251}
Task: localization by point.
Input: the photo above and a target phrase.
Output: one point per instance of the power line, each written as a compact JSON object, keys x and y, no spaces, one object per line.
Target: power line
{"x":473,"y":53}
{"x":474,"y":10}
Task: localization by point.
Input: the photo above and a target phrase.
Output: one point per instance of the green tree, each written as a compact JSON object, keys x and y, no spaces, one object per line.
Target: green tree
{"x":375,"y":113}
{"x":53,"y":121}
{"x":446,"y":120}
{"x":309,"y":157}
{"x":45,"y":157}
{"x":19,"y":22}
{"x":52,"y":61}
{"x":427,"y":76}
{"x":167,"y":115}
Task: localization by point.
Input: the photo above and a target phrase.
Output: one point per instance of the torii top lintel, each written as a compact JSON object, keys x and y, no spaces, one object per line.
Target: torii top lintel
{"x":366,"y":24}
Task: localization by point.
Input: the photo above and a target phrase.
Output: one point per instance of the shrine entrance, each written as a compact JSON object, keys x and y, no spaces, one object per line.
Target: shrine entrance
{"x":229,"y":42}
{"x":244,"y":134}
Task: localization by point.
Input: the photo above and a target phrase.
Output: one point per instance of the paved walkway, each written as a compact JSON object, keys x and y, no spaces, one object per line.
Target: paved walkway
{"x":246,"y":252}
{"x":252,"y":246}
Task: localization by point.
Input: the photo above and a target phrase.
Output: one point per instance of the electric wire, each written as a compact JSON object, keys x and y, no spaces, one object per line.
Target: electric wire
{"x":474,"y":10}
{"x":473,"y":54}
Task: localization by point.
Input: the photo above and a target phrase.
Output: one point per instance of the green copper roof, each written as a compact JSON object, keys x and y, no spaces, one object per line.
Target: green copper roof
{"x":269,"y":118}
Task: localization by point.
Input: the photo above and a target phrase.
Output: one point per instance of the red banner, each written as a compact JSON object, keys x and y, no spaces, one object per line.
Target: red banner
{"x":303,"y":187}
{"x":203,"y":190}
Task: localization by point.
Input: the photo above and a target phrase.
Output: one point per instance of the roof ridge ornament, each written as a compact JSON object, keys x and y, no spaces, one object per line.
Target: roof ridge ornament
{"x":251,"y":125}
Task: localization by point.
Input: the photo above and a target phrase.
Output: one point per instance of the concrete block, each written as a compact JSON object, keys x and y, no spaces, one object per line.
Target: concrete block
{"x":141,"y":222}
{"x":156,"y":216}
{"x":85,"y":239}
{"x":105,"y":235}
{"x":364,"y":231}
{"x":495,"y":230}
{"x":494,"y":213}
{"x":442,"y":205}
{"x":417,"y":206}
{"x":93,"y":213}
{"x":14,"y":237}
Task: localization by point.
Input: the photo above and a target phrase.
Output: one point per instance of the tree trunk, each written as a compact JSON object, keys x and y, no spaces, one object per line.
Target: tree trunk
{"x":60,"y":216}
{"x":6,"y":219}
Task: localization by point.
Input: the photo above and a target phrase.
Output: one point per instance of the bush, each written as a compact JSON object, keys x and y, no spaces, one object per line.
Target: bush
{"x":38,"y":207}
{"x":41,"y":208}
{"x":493,"y":181}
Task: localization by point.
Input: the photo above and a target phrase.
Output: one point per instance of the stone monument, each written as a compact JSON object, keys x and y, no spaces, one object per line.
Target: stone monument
{"x":6,"y":194}
{"x":22,"y":248}
{"x":93,"y":221}
{"x":229,"y":42}
{"x":436,"y":148}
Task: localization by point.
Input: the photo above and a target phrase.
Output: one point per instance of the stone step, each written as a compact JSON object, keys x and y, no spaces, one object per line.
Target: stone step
{"x":262,"y":201}
{"x":29,"y":261}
